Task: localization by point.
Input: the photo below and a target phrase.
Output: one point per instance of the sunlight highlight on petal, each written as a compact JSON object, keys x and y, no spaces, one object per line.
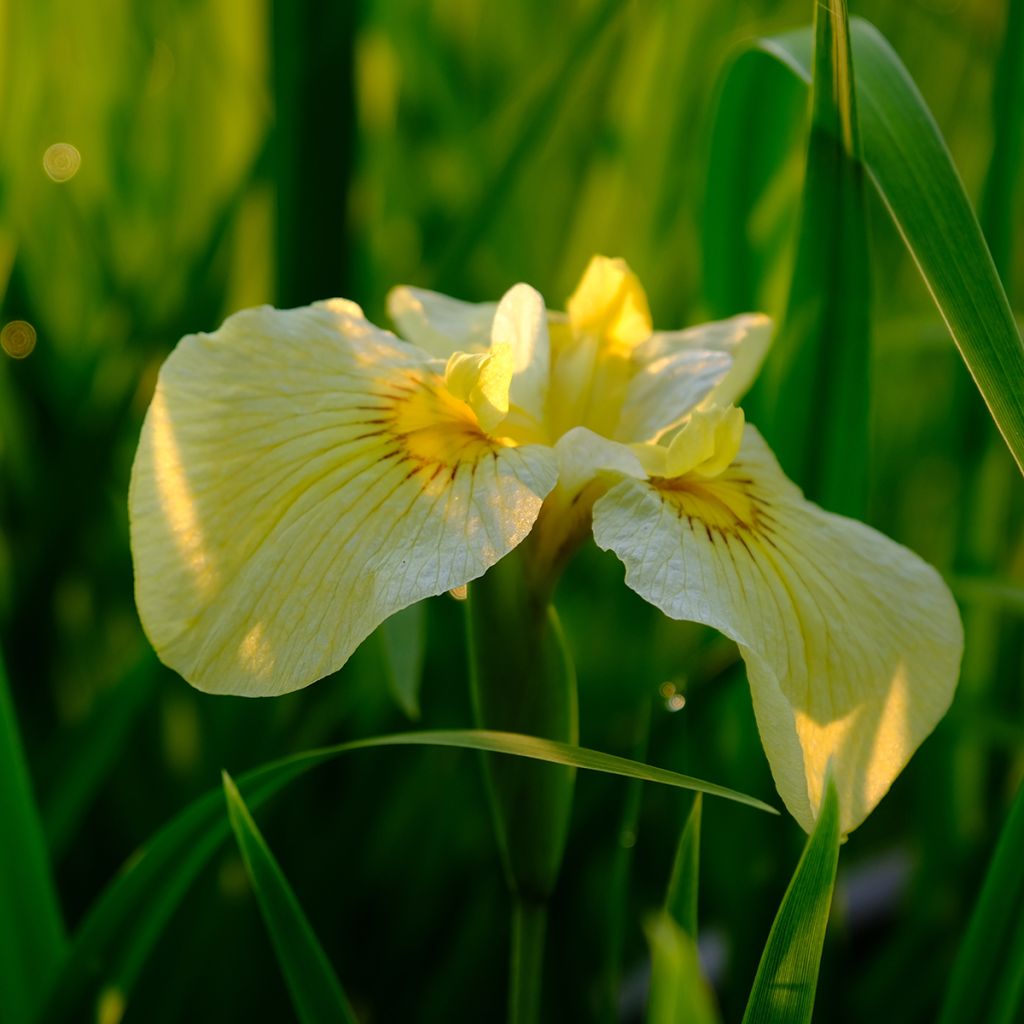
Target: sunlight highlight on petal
{"x":325,"y":470}
{"x":852,"y":642}
{"x":610,"y":302}
{"x":177,"y":502}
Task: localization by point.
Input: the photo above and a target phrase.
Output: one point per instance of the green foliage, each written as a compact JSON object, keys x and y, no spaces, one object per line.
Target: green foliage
{"x":679,"y":991}
{"x":31,"y":930}
{"x":683,"y":886}
{"x":910,"y":166}
{"x":987,"y":983}
{"x":818,"y":374}
{"x":110,"y":948}
{"x":787,"y":978}
{"x":315,"y":989}
{"x":523,"y":681}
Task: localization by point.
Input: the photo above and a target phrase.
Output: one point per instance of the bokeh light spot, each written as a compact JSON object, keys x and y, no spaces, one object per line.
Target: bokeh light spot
{"x":673,"y":695}
{"x":18,"y":338}
{"x":61,"y":161}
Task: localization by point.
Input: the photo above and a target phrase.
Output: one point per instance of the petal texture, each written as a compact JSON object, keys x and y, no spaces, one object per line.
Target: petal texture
{"x":439,"y":324}
{"x":852,"y":642}
{"x":743,"y":339}
{"x":301,"y":476}
{"x":666,"y":388}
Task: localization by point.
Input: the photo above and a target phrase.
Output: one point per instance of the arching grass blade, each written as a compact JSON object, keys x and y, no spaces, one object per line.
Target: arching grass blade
{"x":315,"y":990}
{"x":987,"y":984}
{"x":32,"y":939}
{"x":118,"y":934}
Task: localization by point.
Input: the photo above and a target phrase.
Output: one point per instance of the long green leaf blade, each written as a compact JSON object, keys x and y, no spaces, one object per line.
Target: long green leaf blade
{"x":119,"y":932}
{"x":820,"y":363}
{"x":679,"y":991}
{"x":913,"y":172}
{"x":787,"y":977}
{"x":681,"y":898}
{"x":31,"y":930}
{"x":987,"y":983}
{"x":315,"y":990}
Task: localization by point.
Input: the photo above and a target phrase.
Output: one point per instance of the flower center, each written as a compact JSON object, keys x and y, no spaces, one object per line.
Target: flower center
{"x":722,"y":505}
{"x":433,"y":428}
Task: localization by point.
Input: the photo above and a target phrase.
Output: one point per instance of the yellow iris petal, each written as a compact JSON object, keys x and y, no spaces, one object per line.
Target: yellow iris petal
{"x":611,"y":303}
{"x":707,"y":443}
{"x":852,"y":643}
{"x":301,"y":476}
{"x":438,"y":323}
{"x":482,"y":381}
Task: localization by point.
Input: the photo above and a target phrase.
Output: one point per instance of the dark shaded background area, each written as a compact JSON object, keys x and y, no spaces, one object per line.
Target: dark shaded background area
{"x":235,"y":152}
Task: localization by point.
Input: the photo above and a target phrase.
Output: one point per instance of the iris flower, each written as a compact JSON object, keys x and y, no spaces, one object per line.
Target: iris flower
{"x":303,"y":474}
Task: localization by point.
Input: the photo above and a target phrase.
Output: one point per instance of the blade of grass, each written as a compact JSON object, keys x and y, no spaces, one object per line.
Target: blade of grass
{"x":987,"y":983}
{"x":1003,"y":181}
{"x":750,"y":189}
{"x":911,"y":168}
{"x":681,"y":898}
{"x":787,"y":977}
{"x":32,"y":940}
{"x":678,"y":988}
{"x":818,"y":368}
{"x":119,"y":932}
{"x":679,"y":991}
{"x":315,"y":990}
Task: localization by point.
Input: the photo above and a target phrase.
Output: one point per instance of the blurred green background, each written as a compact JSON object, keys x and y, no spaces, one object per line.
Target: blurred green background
{"x":234,"y":152}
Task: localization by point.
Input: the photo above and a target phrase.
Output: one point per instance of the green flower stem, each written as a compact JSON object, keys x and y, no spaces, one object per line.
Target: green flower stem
{"x":523,"y":681}
{"x":529,"y":924}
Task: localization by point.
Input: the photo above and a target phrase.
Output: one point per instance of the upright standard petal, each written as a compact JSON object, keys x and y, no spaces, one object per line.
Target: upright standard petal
{"x":521,"y":322}
{"x":301,"y":476}
{"x":439,"y":324}
{"x":663,"y":391}
{"x":852,"y":643}
{"x":679,"y":371}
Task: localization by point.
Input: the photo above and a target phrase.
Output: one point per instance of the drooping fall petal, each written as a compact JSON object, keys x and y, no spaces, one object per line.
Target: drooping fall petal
{"x":301,"y":476}
{"x":852,"y":643}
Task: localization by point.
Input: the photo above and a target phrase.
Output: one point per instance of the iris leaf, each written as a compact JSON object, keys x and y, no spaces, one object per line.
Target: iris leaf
{"x":316,"y":993}
{"x":908,"y":163}
{"x":818,"y":370}
{"x":110,"y":948}
{"x":987,"y":983}
{"x":681,"y":899}
{"x":787,"y":976}
{"x":679,"y":991}
{"x":31,"y":930}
